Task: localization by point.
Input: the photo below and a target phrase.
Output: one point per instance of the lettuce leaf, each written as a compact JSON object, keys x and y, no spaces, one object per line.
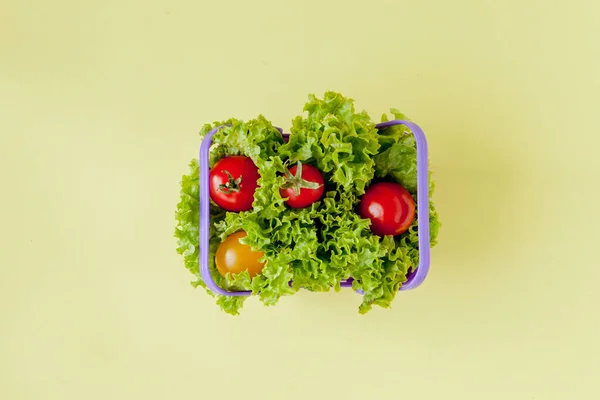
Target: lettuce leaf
{"x":339,"y":141}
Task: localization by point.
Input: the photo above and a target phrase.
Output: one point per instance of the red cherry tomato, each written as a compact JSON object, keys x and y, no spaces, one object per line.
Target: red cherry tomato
{"x":304,"y":185}
{"x":389,"y":206}
{"x":233,"y":183}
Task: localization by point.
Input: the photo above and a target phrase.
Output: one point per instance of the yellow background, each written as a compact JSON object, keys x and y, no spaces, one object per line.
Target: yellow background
{"x":100,"y":105}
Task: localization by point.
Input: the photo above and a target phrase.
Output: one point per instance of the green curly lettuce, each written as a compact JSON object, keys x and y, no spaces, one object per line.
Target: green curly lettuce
{"x":338,"y":140}
{"x":396,"y":162}
{"x":317,"y":247}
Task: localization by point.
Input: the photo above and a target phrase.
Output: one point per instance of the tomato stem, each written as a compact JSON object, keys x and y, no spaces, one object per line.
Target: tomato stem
{"x":297,"y":182}
{"x":232,"y":185}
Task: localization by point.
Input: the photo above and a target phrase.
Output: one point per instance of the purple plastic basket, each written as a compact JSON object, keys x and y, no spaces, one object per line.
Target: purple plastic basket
{"x":414,"y":278}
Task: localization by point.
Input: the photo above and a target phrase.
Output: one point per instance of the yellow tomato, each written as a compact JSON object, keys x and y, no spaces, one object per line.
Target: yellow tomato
{"x":235,"y":257}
